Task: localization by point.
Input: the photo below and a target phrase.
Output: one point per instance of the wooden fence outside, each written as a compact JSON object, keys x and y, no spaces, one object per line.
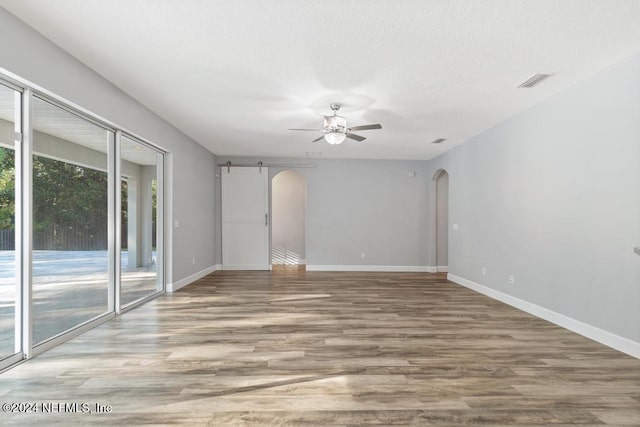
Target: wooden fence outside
{"x":66,"y":239}
{"x":61,"y":239}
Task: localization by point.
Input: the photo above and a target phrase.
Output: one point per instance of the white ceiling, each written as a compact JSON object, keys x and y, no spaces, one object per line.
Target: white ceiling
{"x":236,"y":74}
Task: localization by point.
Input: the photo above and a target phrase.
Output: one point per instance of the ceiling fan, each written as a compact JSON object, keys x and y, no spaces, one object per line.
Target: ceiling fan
{"x":335,"y":128}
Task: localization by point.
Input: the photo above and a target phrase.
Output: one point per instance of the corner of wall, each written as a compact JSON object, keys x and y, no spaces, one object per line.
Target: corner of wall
{"x":175,"y":286}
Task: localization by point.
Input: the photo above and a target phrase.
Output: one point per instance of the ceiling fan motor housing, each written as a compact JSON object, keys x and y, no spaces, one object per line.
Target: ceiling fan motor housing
{"x":335,"y":124}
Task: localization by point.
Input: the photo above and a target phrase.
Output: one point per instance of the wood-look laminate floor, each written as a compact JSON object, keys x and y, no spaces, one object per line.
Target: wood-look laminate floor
{"x":314,"y":348}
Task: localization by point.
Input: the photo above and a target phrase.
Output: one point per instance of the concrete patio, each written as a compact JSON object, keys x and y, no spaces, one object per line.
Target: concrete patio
{"x":69,"y":288}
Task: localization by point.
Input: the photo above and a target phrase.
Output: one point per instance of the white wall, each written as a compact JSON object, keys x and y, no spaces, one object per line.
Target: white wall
{"x":33,"y":58}
{"x":552,"y":197}
{"x":288,"y":217}
{"x":355,"y":206}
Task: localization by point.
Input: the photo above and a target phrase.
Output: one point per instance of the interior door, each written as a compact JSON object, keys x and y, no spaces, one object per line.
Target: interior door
{"x":245,"y":220}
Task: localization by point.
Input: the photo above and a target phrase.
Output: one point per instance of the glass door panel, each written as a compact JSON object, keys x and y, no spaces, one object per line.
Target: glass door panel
{"x":140,"y":255}
{"x":10,"y":342}
{"x":70,"y":220}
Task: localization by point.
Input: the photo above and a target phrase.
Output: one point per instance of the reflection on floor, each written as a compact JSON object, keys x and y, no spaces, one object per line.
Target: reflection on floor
{"x":291,"y":347}
{"x":282,"y":256}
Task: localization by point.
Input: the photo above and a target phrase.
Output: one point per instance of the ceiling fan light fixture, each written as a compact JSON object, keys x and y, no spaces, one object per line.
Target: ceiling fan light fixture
{"x":335,"y":138}
{"x":336,"y":131}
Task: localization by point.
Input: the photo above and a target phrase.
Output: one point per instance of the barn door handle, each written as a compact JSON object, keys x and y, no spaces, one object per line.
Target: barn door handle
{"x":266,"y":219}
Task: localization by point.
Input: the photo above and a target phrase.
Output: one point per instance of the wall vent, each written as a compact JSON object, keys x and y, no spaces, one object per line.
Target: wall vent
{"x":534,"y":80}
{"x":438,"y":141}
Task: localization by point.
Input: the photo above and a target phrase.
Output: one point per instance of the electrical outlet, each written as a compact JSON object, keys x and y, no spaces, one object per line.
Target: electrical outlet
{"x":193,"y":261}
{"x":484,"y":271}
{"x":512,"y":280}
{"x":362,"y":255}
{"x":455,"y":227}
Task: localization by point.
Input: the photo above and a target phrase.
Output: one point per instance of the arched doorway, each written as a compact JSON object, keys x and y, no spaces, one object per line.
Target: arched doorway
{"x":442,"y":221}
{"x":288,"y":213}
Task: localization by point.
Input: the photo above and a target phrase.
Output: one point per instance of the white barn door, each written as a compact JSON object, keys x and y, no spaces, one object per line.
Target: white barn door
{"x":245,"y":221}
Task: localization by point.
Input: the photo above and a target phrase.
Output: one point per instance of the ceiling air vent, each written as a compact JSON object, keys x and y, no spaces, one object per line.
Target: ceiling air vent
{"x":438,"y":141}
{"x":534,"y":80}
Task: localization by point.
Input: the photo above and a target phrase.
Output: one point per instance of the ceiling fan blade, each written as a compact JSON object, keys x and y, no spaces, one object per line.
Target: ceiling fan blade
{"x":313,"y":130}
{"x":356,"y":137}
{"x":365,"y":127}
{"x":318,"y":139}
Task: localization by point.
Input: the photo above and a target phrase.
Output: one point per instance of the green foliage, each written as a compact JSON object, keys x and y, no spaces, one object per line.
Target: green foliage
{"x":7,"y":189}
{"x":70,"y":202}
{"x":68,"y":196}
{"x":64,"y":194}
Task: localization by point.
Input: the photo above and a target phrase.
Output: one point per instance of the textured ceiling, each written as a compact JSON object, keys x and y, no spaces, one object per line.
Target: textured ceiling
{"x":236,"y":74}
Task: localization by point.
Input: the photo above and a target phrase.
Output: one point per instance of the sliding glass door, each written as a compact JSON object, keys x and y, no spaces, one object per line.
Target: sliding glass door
{"x":10,"y":106}
{"x":81,"y":222}
{"x":141,"y":221}
{"x":70,"y":270}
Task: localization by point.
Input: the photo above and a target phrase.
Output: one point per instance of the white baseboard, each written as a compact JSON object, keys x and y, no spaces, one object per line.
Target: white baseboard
{"x":609,"y":339}
{"x":431,"y":269}
{"x":442,"y":268}
{"x":172,"y":287}
{"x":389,"y":268}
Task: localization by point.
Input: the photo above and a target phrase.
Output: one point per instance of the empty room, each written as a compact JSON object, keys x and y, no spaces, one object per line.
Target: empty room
{"x":356,"y":212}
